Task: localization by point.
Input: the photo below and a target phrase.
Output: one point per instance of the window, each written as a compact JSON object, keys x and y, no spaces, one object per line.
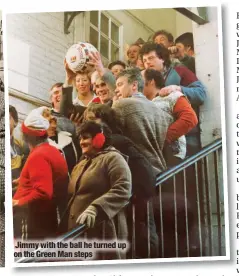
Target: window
{"x":105,"y":35}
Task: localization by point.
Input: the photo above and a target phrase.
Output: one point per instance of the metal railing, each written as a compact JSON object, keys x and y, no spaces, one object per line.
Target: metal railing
{"x":197,"y":184}
{"x":188,"y":211}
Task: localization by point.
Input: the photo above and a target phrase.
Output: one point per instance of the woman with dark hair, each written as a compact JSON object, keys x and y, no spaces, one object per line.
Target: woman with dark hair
{"x":100,"y":187}
{"x":143,"y":177}
{"x":85,"y":96}
{"x":116,"y":67}
{"x":143,"y":180}
{"x":102,"y":113}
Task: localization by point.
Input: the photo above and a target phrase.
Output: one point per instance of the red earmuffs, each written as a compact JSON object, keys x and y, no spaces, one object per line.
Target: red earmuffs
{"x":99,"y":140}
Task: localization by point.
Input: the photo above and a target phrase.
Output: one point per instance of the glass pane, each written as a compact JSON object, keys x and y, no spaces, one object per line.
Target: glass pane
{"x":114,"y":52}
{"x":114,"y":33}
{"x":94,"y":37}
{"x":105,"y":61}
{"x":104,"y":24}
{"x":94,"y":18}
{"x":104,"y":47}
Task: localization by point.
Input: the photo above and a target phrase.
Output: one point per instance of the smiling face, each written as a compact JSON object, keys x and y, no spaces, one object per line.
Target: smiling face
{"x":56,"y":93}
{"x":123,"y":88}
{"x":82,"y":83}
{"x":102,"y":91}
{"x":86,"y":144}
{"x":151,"y":60}
{"x":133,"y":53}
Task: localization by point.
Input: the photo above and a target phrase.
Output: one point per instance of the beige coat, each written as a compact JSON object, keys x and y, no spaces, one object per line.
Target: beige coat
{"x":105,"y":183}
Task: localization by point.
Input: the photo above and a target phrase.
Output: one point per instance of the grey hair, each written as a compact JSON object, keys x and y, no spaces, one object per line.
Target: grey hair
{"x":134,"y":74}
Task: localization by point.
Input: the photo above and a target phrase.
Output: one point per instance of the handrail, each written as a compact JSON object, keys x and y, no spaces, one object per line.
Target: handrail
{"x":189,"y":161}
{"x":79,"y":230}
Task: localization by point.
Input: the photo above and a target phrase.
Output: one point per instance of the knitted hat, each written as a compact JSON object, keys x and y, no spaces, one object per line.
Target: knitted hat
{"x":35,"y":124}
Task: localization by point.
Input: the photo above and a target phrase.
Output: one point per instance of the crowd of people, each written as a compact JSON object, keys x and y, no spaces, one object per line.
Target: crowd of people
{"x":84,"y":159}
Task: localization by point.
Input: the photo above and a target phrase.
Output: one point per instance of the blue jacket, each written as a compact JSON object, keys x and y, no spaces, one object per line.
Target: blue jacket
{"x":194,"y":90}
{"x":191,"y":86}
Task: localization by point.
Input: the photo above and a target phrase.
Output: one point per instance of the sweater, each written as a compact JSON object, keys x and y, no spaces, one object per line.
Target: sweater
{"x":189,"y":62}
{"x":146,"y":125}
{"x":183,"y":120}
{"x":42,"y":176}
{"x":189,"y":83}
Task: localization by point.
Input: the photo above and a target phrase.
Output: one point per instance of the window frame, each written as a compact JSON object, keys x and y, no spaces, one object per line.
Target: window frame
{"x":111,"y":42}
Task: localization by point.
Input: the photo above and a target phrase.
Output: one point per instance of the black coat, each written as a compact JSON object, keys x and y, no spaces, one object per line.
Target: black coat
{"x":143,"y":188}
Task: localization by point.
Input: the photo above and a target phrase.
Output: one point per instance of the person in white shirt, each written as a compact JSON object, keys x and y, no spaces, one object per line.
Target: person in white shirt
{"x":83,"y":86}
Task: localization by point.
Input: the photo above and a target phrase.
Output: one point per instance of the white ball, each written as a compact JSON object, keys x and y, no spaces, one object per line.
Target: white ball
{"x":77,"y":55}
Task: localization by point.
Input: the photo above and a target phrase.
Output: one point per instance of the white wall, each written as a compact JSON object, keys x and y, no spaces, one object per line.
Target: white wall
{"x":36,"y":49}
{"x":164,"y":19}
{"x":183,"y":25}
{"x":207,"y":67}
{"x":158,"y":19}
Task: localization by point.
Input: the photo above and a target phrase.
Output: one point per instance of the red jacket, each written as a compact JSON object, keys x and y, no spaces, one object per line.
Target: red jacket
{"x":45,"y":171}
{"x":185,"y":120}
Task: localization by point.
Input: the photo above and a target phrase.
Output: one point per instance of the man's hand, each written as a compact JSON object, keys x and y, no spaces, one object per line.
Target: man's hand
{"x":76,"y":119}
{"x":69,"y":74}
{"x":95,"y":60}
{"x":174,"y":52}
{"x":169,"y":89}
{"x":173,"y":49}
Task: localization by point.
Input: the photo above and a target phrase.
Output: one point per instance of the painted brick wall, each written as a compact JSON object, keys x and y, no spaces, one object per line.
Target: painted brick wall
{"x":36,"y":49}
